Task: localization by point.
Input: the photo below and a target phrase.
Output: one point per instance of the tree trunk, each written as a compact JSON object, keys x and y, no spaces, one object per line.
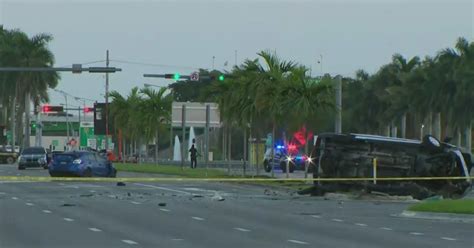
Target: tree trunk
{"x":273,"y":150}
{"x":306,"y":164}
{"x":403,"y":126}
{"x":429,"y":123}
{"x":13,"y":122}
{"x":387,"y":131}
{"x":229,"y":147}
{"x":468,"y":134}
{"x":437,"y":125}
{"x":393,"y":130}
{"x":458,"y":138}
{"x":257,"y":154}
{"x":156,"y":147}
{"x":245,"y":152}
{"x":223,"y":143}
{"x":27,"y":120}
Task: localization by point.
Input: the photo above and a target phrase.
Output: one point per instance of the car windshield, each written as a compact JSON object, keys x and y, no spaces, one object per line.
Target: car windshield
{"x":33,"y":150}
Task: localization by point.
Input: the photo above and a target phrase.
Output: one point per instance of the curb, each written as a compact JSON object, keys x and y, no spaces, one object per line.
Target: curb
{"x":463,"y":218}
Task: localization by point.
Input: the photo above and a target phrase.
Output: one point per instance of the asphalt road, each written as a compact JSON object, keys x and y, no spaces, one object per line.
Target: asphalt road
{"x":199,"y":214}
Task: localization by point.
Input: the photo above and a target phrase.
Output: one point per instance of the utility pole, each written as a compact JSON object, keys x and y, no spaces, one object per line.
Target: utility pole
{"x":213,"y":59}
{"x":107,"y":104}
{"x":338,"y":88}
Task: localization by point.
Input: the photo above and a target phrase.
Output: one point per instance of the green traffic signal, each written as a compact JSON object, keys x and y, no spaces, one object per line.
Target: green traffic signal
{"x":221,"y":78}
{"x":176,"y":76}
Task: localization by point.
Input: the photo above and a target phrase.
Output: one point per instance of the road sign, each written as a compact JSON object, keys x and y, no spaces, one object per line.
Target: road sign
{"x":195,"y":114}
{"x":194,"y":76}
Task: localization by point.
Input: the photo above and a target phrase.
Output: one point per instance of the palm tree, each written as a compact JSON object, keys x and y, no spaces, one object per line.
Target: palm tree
{"x":19,"y":50}
{"x":156,"y":109}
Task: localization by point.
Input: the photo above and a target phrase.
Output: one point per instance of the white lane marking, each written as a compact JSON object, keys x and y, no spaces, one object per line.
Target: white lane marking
{"x":197,"y":218}
{"x":448,"y":238}
{"x":14,"y":198}
{"x":30,"y":204}
{"x":61,"y":184}
{"x":130,"y":242}
{"x":316,"y":216}
{"x":46,"y":211}
{"x":360,"y":224}
{"x":164,"y":210}
{"x":386,"y":228}
{"x":3,"y":193}
{"x":68,"y":219}
{"x":297,"y":242}
{"x":416,"y":233}
{"x":177,"y":239}
{"x":134,"y":202}
{"x":163,"y":188}
{"x":18,"y":174}
{"x":241,"y":229}
{"x":95,"y":229}
{"x":92,"y":191}
{"x":337,"y":220}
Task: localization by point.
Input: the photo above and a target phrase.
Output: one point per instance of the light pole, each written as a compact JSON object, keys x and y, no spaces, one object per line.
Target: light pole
{"x":320,"y":62}
{"x":67,"y":115}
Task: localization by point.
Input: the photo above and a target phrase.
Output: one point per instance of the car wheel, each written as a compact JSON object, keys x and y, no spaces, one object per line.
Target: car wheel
{"x":266,"y":166}
{"x":10,"y":160}
{"x":114,"y":174}
{"x":88,"y":173}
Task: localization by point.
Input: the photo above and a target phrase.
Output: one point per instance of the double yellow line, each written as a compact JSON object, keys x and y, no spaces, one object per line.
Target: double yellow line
{"x":179,"y":179}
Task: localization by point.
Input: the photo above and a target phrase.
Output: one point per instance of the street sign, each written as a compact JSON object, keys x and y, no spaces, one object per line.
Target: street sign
{"x":194,"y":76}
{"x":195,"y":114}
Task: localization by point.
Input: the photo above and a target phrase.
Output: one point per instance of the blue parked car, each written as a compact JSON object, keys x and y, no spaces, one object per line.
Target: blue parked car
{"x":82,"y":164}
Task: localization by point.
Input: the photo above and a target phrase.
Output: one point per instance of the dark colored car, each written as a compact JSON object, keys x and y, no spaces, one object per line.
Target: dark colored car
{"x":281,"y":156}
{"x":33,"y":157}
{"x":81,"y":164}
{"x":353,"y":156}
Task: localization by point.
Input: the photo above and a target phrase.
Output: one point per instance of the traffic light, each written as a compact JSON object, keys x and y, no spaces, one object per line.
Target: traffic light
{"x":49,"y":109}
{"x":88,"y":110}
{"x":221,"y":77}
{"x":175,"y":76}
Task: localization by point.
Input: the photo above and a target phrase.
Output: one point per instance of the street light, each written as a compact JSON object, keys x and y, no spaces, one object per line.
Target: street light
{"x":67,"y":115}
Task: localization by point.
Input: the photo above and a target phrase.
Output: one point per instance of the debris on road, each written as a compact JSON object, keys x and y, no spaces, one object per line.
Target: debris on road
{"x":68,"y":205}
{"x":162,"y":204}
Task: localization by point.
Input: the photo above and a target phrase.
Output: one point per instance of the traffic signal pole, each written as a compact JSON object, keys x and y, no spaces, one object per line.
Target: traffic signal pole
{"x":107,"y":104}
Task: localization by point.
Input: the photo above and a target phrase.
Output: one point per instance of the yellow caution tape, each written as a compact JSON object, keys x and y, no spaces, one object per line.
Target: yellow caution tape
{"x":177,"y":179}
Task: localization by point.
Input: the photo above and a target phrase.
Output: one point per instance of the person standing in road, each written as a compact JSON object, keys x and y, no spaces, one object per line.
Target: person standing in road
{"x":193,"y":152}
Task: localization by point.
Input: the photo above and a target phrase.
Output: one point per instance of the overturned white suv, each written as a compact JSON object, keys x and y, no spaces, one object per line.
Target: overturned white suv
{"x":378,"y":157}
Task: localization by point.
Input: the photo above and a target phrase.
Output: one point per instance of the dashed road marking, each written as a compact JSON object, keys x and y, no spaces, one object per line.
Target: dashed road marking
{"x":386,"y":228}
{"x":316,"y":216}
{"x":130,"y":242}
{"x":416,"y":233}
{"x":3,"y":193}
{"x":337,"y":220}
{"x":46,"y":211}
{"x":197,"y":218}
{"x":163,"y":188}
{"x":14,"y":198}
{"x":95,"y":229}
{"x":68,"y":219}
{"x":164,"y":210}
{"x":297,"y":242}
{"x":29,"y":204}
{"x":92,"y":191}
{"x":241,"y":229}
{"x":177,"y":239}
{"x":134,"y":202}
{"x":448,"y":238}
{"x":360,"y":224}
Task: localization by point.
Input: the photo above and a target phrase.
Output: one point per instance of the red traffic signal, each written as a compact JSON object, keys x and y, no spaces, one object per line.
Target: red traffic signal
{"x":49,"y":109}
{"x":88,"y":110}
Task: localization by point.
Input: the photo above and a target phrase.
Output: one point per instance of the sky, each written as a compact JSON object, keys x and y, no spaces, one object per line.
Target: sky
{"x":182,"y":36}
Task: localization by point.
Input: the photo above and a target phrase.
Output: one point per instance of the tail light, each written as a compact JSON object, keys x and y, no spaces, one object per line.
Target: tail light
{"x":77,"y":161}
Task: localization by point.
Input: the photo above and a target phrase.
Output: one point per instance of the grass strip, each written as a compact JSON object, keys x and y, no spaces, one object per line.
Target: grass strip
{"x":461,"y":206}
